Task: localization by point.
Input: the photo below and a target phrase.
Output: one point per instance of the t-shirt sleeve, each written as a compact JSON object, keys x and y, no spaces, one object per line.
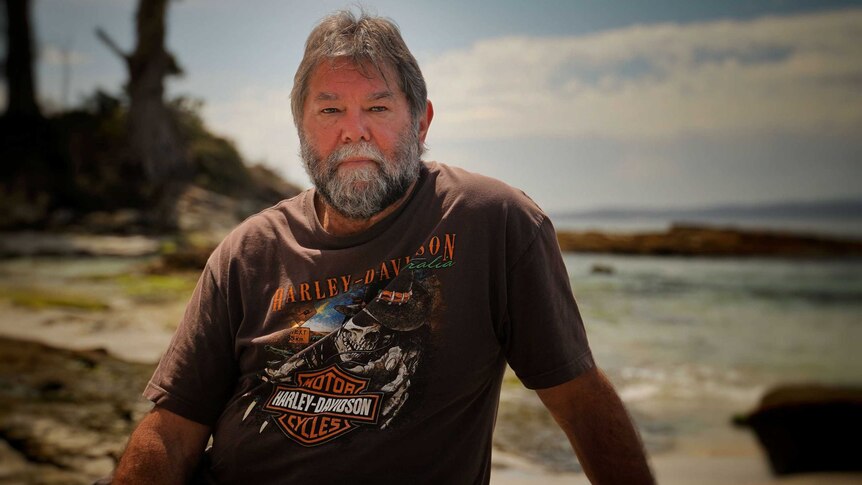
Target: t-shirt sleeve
{"x":545,"y":341}
{"x":196,"y":376}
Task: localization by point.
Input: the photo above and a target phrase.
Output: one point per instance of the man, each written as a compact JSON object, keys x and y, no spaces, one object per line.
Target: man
{"x":359,"y":332}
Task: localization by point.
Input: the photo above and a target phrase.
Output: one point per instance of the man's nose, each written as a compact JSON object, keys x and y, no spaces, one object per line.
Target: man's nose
{"x":354,"y":127}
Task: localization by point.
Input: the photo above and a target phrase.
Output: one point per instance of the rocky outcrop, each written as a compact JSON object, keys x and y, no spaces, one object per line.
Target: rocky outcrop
{"x":690,"y":240}
{"x":204,"y":218}
{"x":809,"y":428}
{"x":64,"y":415}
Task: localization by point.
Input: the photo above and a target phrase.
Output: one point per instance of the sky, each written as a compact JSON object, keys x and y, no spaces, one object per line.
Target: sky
{"x":582,"y":104}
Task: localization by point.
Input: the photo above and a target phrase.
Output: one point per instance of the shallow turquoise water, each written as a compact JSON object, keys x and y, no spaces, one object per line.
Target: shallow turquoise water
{"x":685,"y":335}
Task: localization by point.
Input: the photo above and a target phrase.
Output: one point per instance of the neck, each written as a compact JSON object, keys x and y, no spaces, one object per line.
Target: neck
{"x":336,"y":224}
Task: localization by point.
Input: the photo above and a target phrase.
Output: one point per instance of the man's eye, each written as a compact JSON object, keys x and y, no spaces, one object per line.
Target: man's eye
{"x":378,"y":108}
{"x":329,"y":110}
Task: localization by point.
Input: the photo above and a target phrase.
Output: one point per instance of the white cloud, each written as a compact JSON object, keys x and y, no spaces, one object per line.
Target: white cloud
{"x":795,"y":75}
{"x":259,"y":121}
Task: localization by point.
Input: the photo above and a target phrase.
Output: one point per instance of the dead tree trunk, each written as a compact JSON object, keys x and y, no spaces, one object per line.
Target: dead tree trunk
{"x":154,"y":136}
{"x":31,"y":174}
{"x":21,"y":99}
{"x":153,"y":130}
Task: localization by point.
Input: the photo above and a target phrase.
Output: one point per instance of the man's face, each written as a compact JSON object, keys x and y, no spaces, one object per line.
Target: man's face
{"x":358,"y":141}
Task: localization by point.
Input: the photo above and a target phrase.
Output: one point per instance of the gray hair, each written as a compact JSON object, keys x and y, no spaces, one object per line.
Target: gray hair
{"x":365,"y":39}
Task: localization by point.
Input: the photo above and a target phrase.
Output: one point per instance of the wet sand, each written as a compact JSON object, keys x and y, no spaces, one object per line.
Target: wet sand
{"x":131,"y":315}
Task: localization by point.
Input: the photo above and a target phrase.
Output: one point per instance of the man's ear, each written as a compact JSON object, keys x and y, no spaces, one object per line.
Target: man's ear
{"x":425,"y":121}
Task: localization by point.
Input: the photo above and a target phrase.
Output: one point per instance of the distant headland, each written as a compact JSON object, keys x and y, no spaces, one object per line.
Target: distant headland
{"x":701,"y":240}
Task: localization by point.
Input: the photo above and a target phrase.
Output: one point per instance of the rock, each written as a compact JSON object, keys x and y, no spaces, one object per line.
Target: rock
{"x":64,"y":415}
{"x":690,"y":240}
{"x":205,"y":212}
{"x":115,"y":222}
{"x":205,"y":217}
{"x":808,"y":428}
{"x":602,"y":269}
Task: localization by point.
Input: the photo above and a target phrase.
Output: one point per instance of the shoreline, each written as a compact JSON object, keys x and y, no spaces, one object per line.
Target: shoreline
{"x":677,"y":240}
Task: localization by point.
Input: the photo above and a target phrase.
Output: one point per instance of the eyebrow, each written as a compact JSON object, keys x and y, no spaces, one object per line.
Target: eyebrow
{"x":381,"y":95}
{"x":326,"y":96}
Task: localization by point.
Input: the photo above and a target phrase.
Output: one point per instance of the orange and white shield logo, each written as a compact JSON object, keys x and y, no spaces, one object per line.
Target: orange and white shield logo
{"x":323,"y":405}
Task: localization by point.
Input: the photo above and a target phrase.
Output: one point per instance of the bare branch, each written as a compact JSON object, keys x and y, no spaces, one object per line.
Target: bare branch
{"x":108,"y":41}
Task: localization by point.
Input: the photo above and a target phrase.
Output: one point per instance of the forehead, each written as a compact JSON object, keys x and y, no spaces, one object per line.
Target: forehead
{"x":342,"y":78}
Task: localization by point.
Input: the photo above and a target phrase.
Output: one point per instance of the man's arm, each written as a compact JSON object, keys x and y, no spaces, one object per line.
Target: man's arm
{"x":593,"y":417}
{"x":164,"y":448}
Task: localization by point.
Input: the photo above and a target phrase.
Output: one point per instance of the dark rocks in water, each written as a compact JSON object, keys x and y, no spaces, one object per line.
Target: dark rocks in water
{"x":65,"y":415}
{"x":691,"y":240}
{"x":599,"y":268}
{"x":809,"y":428}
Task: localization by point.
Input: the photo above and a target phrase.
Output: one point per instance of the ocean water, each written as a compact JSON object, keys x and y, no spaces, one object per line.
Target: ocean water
{"x":690,"y":341}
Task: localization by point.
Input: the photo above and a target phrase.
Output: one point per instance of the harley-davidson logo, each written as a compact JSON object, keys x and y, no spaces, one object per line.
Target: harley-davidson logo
{"x":323,"y":405}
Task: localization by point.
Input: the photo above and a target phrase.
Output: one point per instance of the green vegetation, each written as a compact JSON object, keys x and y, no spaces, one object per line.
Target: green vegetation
{"x":158,"y":287}
{"x":218,"y":165}
{"x":77,"y":162}
{"x":39,"y":298}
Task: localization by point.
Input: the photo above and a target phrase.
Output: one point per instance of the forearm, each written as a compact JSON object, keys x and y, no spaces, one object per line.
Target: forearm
{"x":163,"y":449}
{"x":600,"y":430}
{"x":608,"y":445}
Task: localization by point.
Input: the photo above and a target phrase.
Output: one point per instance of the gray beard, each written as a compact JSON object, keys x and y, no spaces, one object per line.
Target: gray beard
{"x":363,"y":192}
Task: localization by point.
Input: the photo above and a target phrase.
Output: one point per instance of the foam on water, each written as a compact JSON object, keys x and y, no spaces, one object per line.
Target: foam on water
{"x":703,"y":338}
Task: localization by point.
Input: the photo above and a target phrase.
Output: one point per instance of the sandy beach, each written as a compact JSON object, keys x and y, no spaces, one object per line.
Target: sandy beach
{"x":116,"y":305}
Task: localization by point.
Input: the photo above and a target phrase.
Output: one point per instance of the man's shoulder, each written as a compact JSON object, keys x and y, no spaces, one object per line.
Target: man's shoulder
{"x":502,"y":211}
{"x":262,"y":229}
{"x":276,"y":215}
{"x":449,"y":178}
{"x":480,"y":191}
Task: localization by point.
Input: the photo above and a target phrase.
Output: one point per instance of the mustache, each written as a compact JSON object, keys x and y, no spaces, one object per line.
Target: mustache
{"x":355,"y":150}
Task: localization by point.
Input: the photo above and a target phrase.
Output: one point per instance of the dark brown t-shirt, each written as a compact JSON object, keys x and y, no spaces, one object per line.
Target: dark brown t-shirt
{"x":374,"y":358}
